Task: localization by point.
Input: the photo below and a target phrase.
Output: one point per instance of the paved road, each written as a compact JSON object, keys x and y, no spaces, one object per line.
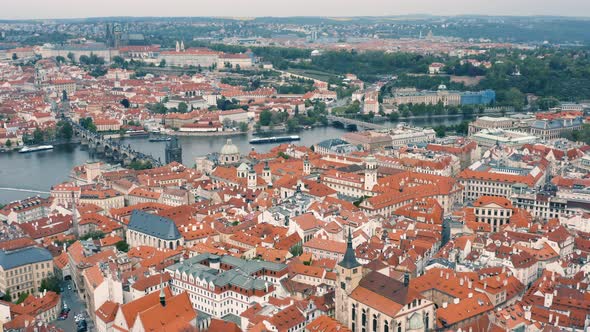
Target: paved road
{"x":73,"y":301}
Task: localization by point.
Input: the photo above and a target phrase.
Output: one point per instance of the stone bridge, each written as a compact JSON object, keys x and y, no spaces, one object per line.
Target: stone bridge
{"x":111,"y":149}
{"x":352,"y":122}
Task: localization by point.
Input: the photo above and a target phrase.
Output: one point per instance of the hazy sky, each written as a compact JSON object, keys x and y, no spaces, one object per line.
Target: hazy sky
{"x":20,"y":9}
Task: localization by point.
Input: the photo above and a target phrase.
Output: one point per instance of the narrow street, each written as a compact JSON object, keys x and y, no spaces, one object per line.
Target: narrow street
{"x":73,"y":301}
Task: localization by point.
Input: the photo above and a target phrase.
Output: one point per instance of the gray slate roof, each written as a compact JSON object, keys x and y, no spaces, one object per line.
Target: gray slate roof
{"x":30,"y":255}
{"x":240,"y":275}
{"x":160,"y":227}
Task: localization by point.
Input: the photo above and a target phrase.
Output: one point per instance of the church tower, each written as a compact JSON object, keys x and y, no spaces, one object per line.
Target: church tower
{"x":252,"y":180}
{"x":370,"y":172}
{"x":350,"y":273}
{"x":306,"y":167}
{"x":266,"y":174}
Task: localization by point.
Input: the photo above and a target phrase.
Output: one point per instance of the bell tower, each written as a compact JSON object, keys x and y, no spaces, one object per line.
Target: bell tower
{"x":370,"y":172}
{"x":266,"y":174}
{"x":252,"y":179}
{"x":350,"y":273}
{"x":306,"y":167}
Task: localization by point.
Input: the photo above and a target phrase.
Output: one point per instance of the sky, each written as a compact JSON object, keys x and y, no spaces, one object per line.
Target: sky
{"x":42,"y":9}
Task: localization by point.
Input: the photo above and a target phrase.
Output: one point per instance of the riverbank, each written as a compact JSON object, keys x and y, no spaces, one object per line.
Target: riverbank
{"x":207,"y":134}
{"x":54,"y":143}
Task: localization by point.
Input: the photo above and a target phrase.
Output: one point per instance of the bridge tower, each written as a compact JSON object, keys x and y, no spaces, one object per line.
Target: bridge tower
{"x":173,"y":151}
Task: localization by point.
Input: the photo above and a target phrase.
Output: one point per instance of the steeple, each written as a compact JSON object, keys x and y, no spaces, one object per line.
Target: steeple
{"x":349,"y":261}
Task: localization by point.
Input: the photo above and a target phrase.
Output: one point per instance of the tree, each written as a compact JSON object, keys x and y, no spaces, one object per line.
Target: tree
{"x":440,"y":131}
{"x":265,"y":117}
{"x":547,"y":103}
{"x":122,"y":246}
{"x":7,"y":297}
{"x":514,"y":97}
{"x":8,"y":143}
{"x":50,"y":284}
{"x":243,"y":127}
{"x":139,"y":165}
{"x":22,"y":297}
{"x":84,"y":59}
{"x":182,"y":107}
{"x":296,"y":250}
{"x":118,"y":61}
{"x":72,"y":57}
{"x":38,"y":136}
{"x":257,"y":127}
{"x":162,"y":63}
{"x":60,"y":59}
{"x":87,"y":123}
{"x":93,"y":235}
{"x":125,"y":103}
{"x":65,"y":130}
{"x":292,"y":125}
{"x":14,"y":56}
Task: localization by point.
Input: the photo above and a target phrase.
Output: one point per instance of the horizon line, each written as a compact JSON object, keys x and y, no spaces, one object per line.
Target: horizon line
{"x":230,"y":17}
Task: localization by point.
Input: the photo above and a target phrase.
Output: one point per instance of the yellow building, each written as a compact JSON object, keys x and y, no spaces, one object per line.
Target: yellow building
{"x":22,"y":270}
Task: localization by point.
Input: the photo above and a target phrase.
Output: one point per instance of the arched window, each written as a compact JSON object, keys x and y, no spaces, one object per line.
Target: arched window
{"x":386,"y":326}
{"x":374,"y":323}
{"x":354,"y":317}
{"x":427,"y":321}
{"x":364,"y":320}
{"x":399,"y":326}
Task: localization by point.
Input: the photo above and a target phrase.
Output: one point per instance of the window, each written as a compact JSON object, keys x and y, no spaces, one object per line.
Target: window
{"x":364,"y":320}
{"x":374,"y":323}
{"x":385,"y":326}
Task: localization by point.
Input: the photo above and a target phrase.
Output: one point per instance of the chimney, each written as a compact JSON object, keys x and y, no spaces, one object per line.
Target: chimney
{"x":445,"y":305}
{"x":456,"y":300}
{"x":485,"y":285}
{"x":406,"y":279}
{"x":470,"y":295}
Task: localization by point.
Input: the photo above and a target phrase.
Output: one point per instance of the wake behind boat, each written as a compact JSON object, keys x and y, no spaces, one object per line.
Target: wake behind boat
{"x":28,"y":149}
{"x":278,"y":139}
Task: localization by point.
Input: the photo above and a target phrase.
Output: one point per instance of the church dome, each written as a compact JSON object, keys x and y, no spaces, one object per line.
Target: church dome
{"x":229,"y":148}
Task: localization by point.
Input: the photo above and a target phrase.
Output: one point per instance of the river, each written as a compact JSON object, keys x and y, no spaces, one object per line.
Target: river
{"x":40,"y":170}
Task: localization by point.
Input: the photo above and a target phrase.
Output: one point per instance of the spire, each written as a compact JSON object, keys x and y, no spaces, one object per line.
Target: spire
{"x":349,"y":261}
{"x":162,"y":295}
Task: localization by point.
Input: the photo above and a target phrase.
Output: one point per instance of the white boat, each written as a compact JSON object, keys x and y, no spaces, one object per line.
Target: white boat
{"x":274,"y":139}
{"x":28,"y":149}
